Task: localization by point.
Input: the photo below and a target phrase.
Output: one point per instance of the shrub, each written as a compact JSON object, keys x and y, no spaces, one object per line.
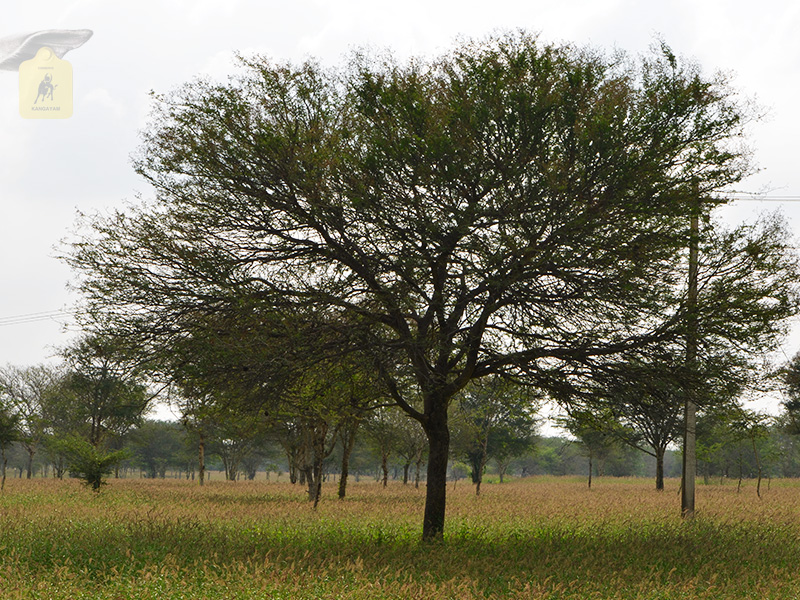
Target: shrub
{"x":90,"y":463}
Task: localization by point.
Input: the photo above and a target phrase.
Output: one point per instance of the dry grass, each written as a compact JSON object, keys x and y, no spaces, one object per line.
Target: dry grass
{"x":536,"y":538}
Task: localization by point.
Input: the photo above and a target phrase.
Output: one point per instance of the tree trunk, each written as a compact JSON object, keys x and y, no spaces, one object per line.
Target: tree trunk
{"x":307,"y":478}
{"x":313,"y":476}
{"x":347,"y":449}
{"x":739,"y":485}
{"x":317,"y":476}
{"x":224,"y":458}
{"x":5,"y":463}
{"x":758,"y":465}
{"x":501,"y":470}
{"x":31,"y":452}
{"x":318,"y":492}
{"x":660,"y":469}
{"x":201,"y":458}
{"x":481,"y":468}
{"x":474,"y":463}
{"x":436,"y":493}
{"x":317,"y":432}
{"x":405,"y":472}
{"x":385,"y":467}
{"x":590,"y":470}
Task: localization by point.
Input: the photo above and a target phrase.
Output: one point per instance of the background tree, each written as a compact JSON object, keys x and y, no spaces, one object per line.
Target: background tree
{"x":236,"y":436}
{"x":750,"y":427}
{"x":100,"y":397}
{"x":102,"y":389}
{"x":347,"y":437}
{"x":509,"y":443}
{"x":644,"y":407}
{"x":155,"y":446}
{"x":495,"y":419}
{"x":385,"y":436}
{"x":747,"y":292}
{"x":713,"y":441}
{"x":196,"y":407}
{"x":790,"y":386}
{"x":507,"y":208}
{"x":26,"y":392}
{"x":9,"y":433}
{"x":597,"y":434}
{"x":411,"y":447}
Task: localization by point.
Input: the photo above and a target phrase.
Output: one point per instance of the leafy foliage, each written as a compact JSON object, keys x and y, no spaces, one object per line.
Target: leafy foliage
{"x":90,"y":463}
{"x":27,"y":394}
{"x":102,"y":393}
{"x":495,"y":421}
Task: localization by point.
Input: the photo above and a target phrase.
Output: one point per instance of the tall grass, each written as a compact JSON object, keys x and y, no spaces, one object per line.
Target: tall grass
{"x":536,"y":538}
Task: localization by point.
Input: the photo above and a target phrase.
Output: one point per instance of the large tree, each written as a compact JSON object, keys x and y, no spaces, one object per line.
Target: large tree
{"x":510,"y":207}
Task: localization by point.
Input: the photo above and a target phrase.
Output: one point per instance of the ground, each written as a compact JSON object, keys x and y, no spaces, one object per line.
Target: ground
{"x":533,"y":538}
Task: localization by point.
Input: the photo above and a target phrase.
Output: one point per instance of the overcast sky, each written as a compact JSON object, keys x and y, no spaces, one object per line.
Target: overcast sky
{"x":51,"y":169}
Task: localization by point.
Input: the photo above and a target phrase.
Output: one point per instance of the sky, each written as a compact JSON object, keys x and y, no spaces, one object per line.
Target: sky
{"x":52,"y":170}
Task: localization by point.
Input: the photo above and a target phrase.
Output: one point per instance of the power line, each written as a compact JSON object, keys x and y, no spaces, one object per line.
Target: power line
{"x":50,"y":315}
{"x":751,"y":197}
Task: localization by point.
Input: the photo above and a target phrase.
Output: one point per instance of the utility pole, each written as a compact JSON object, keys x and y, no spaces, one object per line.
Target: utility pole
{"x":690,"y":408}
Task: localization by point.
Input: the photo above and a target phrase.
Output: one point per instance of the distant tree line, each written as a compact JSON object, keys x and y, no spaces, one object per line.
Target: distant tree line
{"x":50,"y":416}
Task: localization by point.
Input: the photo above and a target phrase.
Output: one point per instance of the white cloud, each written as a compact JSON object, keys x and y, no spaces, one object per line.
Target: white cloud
{"x":101,"y":99}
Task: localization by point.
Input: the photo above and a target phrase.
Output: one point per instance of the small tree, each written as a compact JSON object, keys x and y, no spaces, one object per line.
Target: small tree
{"x":103,"y":391}
{"x":752,"y":427}
{"x":411,"y":447}
{"x":198,"y":417}
{"x":495,"y":419}
{"x":597,"y":434}
{"x":385,"y":436}
{"x":90,"y":463}
{"x":27,"y":393}
{"x":9,"y":433}
{"x":644,"y":404}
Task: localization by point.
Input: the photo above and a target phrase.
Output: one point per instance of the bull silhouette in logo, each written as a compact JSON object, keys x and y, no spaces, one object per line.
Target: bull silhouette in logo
{"x":46,"y":88}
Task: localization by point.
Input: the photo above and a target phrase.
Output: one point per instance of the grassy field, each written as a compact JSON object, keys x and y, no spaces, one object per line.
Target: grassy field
{"x":535,"y":538}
